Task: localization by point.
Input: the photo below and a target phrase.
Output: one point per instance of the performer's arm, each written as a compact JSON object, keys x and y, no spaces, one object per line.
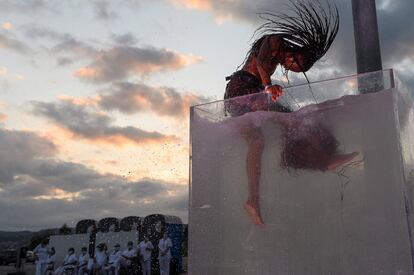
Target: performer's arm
{"x":269,"y":50}
{"x":266,"y":65}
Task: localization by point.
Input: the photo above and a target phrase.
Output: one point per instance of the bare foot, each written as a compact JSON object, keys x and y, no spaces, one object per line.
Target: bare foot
{"x":253,"y":213}
{"x":341,"y":159}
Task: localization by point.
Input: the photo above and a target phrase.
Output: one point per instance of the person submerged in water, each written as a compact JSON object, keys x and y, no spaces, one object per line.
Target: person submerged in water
{"x":294,"y":42}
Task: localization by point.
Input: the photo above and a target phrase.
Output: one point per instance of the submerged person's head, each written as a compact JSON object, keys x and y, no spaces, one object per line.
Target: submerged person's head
{"x":313,"y":150}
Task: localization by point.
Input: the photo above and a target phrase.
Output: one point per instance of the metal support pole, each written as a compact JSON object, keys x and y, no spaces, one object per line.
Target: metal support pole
{"x":368,"y":59}
{"x":368,"y":52}
{"x":367,"y":46}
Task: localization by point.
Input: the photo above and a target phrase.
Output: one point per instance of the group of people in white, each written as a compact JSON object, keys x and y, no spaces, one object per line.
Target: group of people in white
{"x":104,"y":262}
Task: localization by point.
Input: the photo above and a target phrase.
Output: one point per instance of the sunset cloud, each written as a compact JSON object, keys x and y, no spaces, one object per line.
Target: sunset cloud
{"x":67,"y":44}
{"x":3,"y":117}
{"x":91,"y":124}
{"x":194,"y":4}
{"x":225,"y":10}
{"x":103,"y":10}
{"x":13,"y":6}
{"x":10,"y":43}
{"x":7,"y":25}
{"x":120,"y":62}
{"x":81,"y":101}
{"x":5,"y":73}
{"x":30,"y":146}
{"x":132,"y":98}
{"x":33,"y":182}
{"x":114,"y":62}
{"x":125,"y":39}
{"x":88,"y":73}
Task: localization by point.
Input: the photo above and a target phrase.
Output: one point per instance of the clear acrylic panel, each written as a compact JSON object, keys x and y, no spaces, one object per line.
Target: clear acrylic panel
{"x":297,"y":97}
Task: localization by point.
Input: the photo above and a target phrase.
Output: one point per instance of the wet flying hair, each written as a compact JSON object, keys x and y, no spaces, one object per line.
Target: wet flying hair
{"x":309,"y":28}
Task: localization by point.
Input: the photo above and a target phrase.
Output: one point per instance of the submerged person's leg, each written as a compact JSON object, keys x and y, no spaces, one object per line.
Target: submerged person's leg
{"x":255,"y":141}
{"x":340,"y":159}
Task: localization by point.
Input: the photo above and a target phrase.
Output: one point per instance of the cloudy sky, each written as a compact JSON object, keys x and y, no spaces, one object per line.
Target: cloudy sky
{"x":94,"y":97}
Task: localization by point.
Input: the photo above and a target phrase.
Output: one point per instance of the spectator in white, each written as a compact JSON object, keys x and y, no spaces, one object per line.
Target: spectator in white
{"x":100,"y":259}
{"x":112,"y":267}
{"x":41,"y":253}
{"x":69,"y":262}
{"x":50,"y":262}
{"x":128,"y":255}
{"x":164,"y":255}
{"x":83,"y":260}
{"x":145,"y":249}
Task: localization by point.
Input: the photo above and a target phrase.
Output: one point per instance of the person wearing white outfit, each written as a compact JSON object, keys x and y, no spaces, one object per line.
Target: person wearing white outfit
{"x":128,"y":255}
{"x":69,"y":262}
{"x":50,"y":262}
{"x":145,"y":249}
{"x":164,"y":255}
{"x":41,"y":253}
{"x":83,"y":260}
{"x":100,"y":260}
{"x":112,"y":267}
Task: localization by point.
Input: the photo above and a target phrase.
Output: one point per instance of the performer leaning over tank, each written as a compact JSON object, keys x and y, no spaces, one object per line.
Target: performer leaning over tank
{"x":294,"y":42}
